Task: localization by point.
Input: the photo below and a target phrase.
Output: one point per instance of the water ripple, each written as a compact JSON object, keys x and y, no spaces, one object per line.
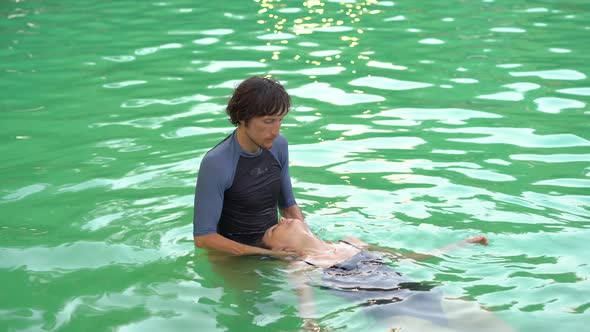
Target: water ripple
{"x":276,"y":36}
{"x":75,"y":256}
{"x":123,"y":84}
{"x":120,"y":58}
{"x":385,"y":65}
{"x":21,"y":193}
{"x":194,"y":131}
{"x":523,"y":137}
{"x":332,"y":152}
{"x":553,"y":158}
{"x":319,"y":71}
{"x":206,"y":41}
{"x":353,"y":130}
{"x":555,"y":105}
{"x":378,"y":149}
{"x":464,"y":80}
{"x":176,"y":101}
{"x":576,"y":91}
{"x":508,"y":29}
{"x":409,"y":166}
{"x":453,"y":116}
{"x":431,"y":41}
{"x":333,"y":29}
{"x":570,"y":183}
{"x":520,"y":88}
{"x":387,"y":83}
{"x":217,"y":32}
{"x":216,"y":66}
{"x":559,"y":74}
{"x":324,"y":92}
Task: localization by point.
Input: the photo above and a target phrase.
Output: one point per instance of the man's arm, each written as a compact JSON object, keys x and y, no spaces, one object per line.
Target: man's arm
{"x":218,"y":242}
{"x":293,"y":212}
{"x":287,"y":198}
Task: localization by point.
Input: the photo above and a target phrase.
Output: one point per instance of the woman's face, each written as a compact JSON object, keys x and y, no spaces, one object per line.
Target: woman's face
{"x":286,"y":234}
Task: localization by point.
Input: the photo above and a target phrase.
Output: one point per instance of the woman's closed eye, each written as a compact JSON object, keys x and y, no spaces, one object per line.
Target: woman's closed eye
{"x":270,"y":230}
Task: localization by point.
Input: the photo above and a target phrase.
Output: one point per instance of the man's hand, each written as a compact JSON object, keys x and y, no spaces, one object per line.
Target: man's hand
{"x":282,"y":254}
{"x":222,"y":244}
{"x":292,"y":212}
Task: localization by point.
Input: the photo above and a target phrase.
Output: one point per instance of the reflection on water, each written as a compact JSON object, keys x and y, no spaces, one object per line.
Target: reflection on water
{"x":414,"y":125}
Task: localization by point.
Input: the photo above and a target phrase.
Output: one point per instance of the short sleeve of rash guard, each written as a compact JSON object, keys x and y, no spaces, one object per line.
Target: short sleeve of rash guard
{"x":212,"y":182}
{"x":280,"y":150}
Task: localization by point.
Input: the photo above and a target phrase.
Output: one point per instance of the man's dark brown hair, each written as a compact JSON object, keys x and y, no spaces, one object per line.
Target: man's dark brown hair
{"x":257,"y":96}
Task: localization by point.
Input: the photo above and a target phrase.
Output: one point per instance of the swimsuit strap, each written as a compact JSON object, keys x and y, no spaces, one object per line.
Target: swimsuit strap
{"x":350,"y":244}
{"x":343,"y":241}
{"x":309,"y":263}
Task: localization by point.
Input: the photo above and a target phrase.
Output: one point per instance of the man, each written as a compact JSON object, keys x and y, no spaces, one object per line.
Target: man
{"x":245,"y":179}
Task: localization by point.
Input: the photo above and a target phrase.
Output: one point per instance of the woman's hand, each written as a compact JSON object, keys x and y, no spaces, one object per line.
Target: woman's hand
{"x":310,"y":324}
{"x":481,"y":239}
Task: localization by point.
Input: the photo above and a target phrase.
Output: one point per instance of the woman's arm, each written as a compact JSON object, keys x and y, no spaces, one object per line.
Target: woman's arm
{"x":480,"y":239}
{"x":371,"y":247}
{"x":305,"y":299}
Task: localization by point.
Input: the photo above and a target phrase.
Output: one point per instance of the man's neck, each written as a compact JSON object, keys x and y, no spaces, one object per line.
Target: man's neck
{"x":245,"y":142}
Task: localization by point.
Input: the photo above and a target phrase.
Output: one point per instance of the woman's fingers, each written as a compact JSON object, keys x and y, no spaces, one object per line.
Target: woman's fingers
{"x":481,"y":239}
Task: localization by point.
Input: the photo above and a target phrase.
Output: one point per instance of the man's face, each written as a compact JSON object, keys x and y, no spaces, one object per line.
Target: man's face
{"x":263,"y":130}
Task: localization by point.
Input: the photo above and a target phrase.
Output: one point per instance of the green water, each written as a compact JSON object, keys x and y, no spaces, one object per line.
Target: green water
{"x":415,"y":124}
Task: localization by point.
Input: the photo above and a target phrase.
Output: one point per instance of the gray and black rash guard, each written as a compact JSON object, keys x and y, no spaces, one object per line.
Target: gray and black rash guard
{"x":238,"y":193}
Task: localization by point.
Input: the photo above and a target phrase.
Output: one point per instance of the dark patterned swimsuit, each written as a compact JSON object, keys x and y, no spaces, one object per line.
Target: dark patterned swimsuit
{"x":365,"y":280}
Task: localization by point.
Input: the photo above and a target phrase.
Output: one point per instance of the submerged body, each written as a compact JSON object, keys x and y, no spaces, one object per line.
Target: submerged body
{"x":366,"y":280}
{"x":348,"y":269}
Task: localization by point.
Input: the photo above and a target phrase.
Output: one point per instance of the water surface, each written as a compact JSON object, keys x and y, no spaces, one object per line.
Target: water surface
{"x":414,"y":125}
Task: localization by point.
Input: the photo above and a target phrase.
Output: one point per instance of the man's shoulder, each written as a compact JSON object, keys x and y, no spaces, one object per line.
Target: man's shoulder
{"x":222,"y":149}
{"x":280,"y":143}
{"x":282,"y":139}
{"x":220,"y":155}
{"x":280,"y":149}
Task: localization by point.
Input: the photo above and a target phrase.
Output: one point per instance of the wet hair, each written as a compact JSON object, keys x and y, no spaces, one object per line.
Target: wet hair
{"x":255,"y":97}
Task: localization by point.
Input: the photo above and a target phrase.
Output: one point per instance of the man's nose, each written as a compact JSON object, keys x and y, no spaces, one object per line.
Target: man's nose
{"x":276,"y":130}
